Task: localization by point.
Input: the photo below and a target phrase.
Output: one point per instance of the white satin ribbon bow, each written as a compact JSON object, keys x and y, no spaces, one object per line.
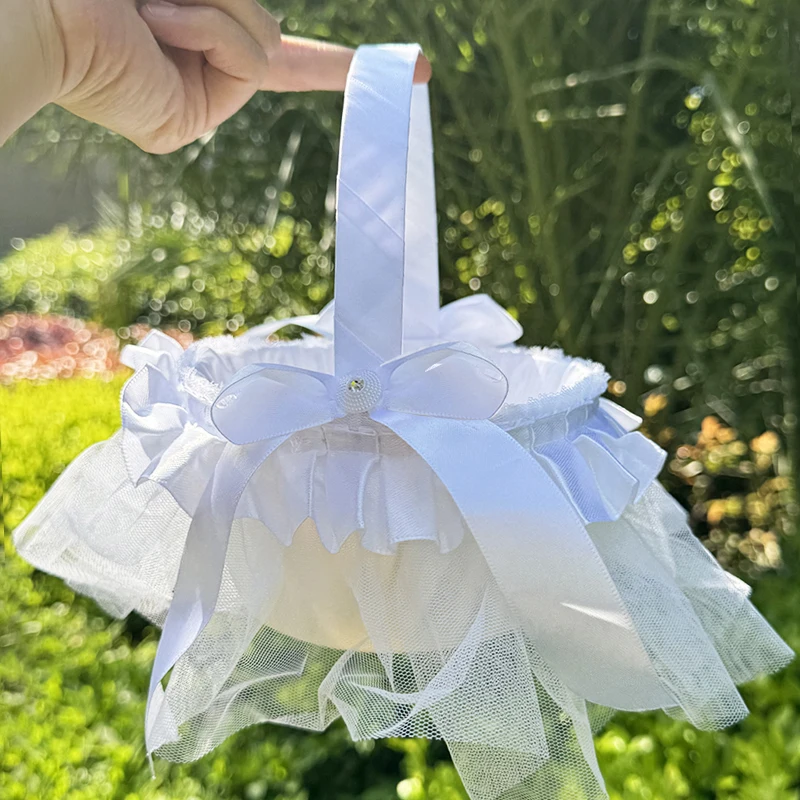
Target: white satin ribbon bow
{"x":268,"y":401}
{"x":439,"y":401}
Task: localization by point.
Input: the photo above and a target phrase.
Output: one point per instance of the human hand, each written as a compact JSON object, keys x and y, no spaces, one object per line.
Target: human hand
{"x":164,"y":73}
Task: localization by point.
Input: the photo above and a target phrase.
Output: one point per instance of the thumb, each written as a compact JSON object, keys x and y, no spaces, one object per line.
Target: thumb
{"x":221,"y":65}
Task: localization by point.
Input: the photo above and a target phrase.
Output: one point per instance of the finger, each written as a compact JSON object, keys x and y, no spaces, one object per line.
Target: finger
{"x":225,"y":44}
{"x":303,"y":65}
{"x":217,"y":83}
{"x":297,"y":64}
{"x":253,"y":17}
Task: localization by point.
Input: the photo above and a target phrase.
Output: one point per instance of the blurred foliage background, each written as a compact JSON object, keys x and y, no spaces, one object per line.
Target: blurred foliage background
{"x":620,"y":175}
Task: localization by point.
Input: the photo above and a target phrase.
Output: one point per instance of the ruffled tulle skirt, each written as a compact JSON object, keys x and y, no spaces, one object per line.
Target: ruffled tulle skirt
{"x":420,"y":642}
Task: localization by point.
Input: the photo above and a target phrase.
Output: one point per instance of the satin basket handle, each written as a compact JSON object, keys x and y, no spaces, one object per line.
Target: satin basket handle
{"x":386,"y":278}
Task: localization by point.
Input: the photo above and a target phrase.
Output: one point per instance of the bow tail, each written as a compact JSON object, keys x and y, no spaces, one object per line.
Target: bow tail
{"x":200,"y":574}
{"x":542,"y":558}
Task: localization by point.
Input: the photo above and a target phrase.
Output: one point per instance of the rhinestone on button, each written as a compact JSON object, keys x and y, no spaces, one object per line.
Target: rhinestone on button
{"x":360,"y":393}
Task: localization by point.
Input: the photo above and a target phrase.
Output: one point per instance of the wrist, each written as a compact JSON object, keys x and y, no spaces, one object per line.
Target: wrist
{"x":31,"y":61}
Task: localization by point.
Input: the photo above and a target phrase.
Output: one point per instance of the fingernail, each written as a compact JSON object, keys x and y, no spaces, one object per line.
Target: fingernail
{"x":424,"y":70}
{"x":160,"y":9}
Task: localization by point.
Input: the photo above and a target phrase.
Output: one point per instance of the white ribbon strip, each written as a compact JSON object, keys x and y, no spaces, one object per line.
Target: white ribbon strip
{"x":200,"y":575}
{"x":421,"y":260}
{"x":542,"y":558}
{"x":321,"y":324}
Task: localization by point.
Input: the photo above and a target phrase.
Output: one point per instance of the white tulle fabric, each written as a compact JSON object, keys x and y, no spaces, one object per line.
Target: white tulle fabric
{"x":365,"y":571}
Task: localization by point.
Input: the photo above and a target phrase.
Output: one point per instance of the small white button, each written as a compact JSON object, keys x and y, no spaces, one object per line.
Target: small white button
{"x":360,"y":392}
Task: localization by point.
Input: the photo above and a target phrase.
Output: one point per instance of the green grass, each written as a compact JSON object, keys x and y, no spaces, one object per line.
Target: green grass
{"x":73,"y":682}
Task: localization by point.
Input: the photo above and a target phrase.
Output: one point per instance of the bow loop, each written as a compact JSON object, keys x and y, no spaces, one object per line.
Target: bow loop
{"x":264,"y":401}
{"x":157,"y":349}
{"x":450,"y":380}
{"x":478,"y":319}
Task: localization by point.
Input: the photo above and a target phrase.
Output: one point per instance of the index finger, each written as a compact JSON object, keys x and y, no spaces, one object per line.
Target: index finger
{"x":305,"y":65}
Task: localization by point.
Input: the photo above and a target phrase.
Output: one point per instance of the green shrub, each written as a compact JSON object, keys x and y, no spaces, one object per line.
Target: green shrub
{"x":176,"y":273}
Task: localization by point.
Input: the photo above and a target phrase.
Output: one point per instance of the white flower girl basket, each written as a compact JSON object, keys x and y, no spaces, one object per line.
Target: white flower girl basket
{"x":406,"y":522}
